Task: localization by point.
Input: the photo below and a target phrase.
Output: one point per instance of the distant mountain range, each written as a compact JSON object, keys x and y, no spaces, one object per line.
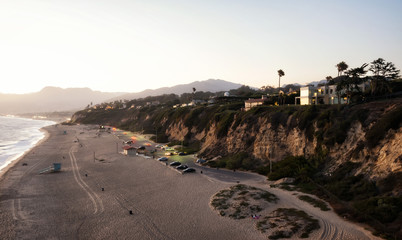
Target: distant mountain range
{"x":211,"y":85}
{"x":55,"y":99}
{"x":51,"y":99}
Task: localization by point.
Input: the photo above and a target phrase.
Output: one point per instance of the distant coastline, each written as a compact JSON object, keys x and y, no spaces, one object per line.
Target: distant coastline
{"x":16,"y":142}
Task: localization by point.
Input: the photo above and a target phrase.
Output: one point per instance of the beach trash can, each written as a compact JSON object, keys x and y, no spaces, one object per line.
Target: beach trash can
{"x":56,"y":167}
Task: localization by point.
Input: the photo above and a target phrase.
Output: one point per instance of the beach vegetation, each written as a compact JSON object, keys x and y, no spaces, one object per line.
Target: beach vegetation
{"x":315,"y":202}
{"x":288,"y":222}
{"x":241,"y":201}
{"x":236,"y":161}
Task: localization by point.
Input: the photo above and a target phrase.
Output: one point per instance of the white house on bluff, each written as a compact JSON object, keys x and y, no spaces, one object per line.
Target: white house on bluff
{"x":325,"y":94}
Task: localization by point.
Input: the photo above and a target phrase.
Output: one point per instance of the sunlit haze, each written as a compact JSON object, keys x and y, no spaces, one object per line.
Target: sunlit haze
{"x":129,"y":45}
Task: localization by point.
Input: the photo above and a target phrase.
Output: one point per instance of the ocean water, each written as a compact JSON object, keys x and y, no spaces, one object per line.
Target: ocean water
{"x":18,"y":135}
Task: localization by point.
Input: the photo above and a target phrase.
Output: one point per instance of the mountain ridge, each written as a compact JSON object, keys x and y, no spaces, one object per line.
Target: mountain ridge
{"x":210,"y":85}
{"x":50,"y":98}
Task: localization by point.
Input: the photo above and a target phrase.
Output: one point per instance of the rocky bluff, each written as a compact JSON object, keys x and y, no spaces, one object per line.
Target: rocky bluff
{"x":369,"y":134}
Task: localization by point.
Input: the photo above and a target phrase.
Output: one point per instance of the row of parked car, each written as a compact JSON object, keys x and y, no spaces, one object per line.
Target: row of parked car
{"x":178,"y":165}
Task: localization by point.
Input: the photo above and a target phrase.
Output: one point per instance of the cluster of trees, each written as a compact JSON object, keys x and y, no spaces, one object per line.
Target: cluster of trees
{"x":348,"y":80}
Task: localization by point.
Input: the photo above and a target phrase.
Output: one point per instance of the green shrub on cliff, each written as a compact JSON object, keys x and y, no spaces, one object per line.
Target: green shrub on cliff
{"x":291,"y":166}
{"x":384,"y":209}
{"x":224,"y":120}
{"x":235,"y":161}
{"x":391,"y":120}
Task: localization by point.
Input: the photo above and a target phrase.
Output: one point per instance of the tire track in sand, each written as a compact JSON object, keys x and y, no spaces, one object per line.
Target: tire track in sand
{"x":147,"y":223}
{"x":149,"y":226}
{"x":96,"y":201}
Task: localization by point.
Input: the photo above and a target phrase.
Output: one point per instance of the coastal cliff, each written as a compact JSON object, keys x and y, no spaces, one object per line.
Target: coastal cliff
{"x":369,"y":134}
{"x":350,"y":155}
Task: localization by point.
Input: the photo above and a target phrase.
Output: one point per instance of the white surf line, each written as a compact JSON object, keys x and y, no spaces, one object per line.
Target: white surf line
{"x":72,"y":157}
{"x":88,"y":188}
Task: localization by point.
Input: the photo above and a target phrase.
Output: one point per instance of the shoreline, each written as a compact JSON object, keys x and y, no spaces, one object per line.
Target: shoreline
{"x":12,"y":163}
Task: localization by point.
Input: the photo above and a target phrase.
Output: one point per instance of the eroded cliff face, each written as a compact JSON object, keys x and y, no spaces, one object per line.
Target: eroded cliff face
{"x":264,"y":142}
{"x":385,"y":158}
{"x":377,"y":162}
{"x":260,"y":141}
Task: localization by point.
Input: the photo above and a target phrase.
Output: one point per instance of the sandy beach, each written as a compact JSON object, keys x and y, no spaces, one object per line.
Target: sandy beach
{"x":97,"y":187}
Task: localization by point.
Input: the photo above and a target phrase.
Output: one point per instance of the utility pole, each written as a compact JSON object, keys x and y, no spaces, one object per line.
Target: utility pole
{"x":270,"y":165}
{"x":270,"y":160}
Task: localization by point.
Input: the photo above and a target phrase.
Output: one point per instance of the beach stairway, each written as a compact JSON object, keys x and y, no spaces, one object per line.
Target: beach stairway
{"x":55,"y":168}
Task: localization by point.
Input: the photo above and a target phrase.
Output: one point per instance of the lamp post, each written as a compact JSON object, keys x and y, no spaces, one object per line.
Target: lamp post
{"x":156,"y":134}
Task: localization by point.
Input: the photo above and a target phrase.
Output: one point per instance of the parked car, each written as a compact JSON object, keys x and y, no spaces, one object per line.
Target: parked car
{"x":188,"y":170}
{"x":168,"y":153}
{"x":128,"y":142}
{"x":182,"y":167}
{"x":162,"y":159}
{"x":200,"y":160}
{"x":141,"y":148}
{"x":181,"y":154}
{"x":175,"y":163}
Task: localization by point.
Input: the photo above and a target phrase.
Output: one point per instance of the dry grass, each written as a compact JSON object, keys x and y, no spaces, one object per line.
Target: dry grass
{"x":288,"y":222}
{"x":241,"y":201}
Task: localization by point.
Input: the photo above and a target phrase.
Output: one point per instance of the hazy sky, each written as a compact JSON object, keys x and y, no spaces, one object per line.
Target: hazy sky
{"x":130,"y":45}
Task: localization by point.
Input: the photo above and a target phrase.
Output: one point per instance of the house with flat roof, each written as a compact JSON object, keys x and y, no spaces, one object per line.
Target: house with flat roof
{"x":250,"y":103}
{"x":326,"y":94}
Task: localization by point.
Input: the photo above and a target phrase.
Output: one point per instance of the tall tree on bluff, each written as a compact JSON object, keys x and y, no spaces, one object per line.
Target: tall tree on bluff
{"x":330,"y":80}
{"x":194,"y":92}
{"x":355,"y":76}
{"x":342,"y":66}
{"x":281,"y":73}
{"x":383,"y":73}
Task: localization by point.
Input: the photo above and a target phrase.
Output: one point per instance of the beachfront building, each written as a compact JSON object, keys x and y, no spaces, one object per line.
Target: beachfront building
{"x":326,"y":94}
{"x":129,"y":151}
{"x":250,"y":103}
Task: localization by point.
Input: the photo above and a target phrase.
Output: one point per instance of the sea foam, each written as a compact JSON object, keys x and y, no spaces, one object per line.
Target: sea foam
{"x":18,"y":135}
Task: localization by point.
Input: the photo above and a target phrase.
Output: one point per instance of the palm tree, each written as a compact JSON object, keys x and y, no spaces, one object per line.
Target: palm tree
{"x":194,"y":92}
{"x":329,"y":80}
{"x":281,"y":73}
{"x":342,"y":66}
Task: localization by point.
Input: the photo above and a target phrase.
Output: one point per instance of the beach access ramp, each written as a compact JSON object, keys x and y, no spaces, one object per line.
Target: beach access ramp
{"x":55,"y":168}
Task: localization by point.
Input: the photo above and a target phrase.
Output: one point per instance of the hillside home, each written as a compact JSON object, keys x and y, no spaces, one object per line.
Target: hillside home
{"x":195,"y":102}
{"x":324,"y":94}
{"x":153,"y":103}
{"x":250,"y":103}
